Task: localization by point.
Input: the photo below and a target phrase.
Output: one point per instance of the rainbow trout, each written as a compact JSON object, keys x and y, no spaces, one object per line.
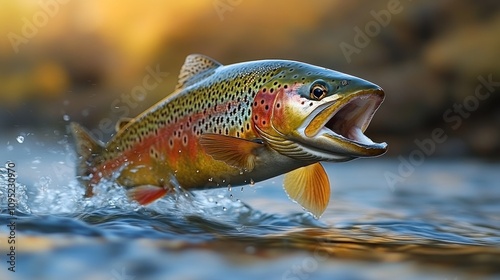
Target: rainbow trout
{"x":235,"y":125}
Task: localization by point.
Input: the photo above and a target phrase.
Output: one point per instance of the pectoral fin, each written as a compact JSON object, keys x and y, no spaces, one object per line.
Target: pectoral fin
{"x":146,"y":194}
{"x":309,"y":186}
{"x":234,"y":151}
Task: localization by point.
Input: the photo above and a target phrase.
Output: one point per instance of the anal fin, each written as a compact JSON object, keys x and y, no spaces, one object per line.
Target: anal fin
{"x":309,"y":186}
{"x":146,"y":194}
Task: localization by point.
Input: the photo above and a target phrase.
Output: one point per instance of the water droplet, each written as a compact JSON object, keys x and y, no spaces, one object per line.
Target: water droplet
{"x":231,"y":196}
{"x":45,"y":181}
{"x":210,"y":179}
{"x":20,"y":139}
{"x":252,"y":182}
{"x":197,"y":171}
{"x":241,"y":188}
{"x":229,"y":188}
{"x":66,"y":117}
{"x":224,"y":208}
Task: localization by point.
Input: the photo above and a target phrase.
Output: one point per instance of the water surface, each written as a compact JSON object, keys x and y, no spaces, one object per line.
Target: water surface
{"x":441,"y":222}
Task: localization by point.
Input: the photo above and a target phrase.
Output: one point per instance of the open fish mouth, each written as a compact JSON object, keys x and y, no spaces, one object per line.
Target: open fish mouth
{"x":341,"y":124}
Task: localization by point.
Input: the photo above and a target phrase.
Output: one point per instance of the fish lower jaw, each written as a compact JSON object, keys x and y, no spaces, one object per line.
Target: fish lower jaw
{"x":357,"y":144}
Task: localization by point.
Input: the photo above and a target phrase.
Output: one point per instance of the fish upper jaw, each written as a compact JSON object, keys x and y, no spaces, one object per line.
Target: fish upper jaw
{"x":335,"y":129}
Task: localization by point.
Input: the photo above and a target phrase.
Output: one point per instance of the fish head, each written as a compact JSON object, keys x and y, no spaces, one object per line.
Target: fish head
{"x":317,"y":114}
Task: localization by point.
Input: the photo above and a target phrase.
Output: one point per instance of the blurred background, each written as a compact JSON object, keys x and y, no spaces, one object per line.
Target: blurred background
{"x":86,"y":61}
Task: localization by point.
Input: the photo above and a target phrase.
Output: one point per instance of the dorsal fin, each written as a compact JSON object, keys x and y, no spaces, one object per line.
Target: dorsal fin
{"x":196,"y":68}
{"x":121,"y":123}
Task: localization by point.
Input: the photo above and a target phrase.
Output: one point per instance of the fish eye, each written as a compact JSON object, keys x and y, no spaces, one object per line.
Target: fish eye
{"x":318,"y":91}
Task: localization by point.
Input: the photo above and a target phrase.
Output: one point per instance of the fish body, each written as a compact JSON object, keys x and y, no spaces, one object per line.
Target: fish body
{"x":235,"y":125}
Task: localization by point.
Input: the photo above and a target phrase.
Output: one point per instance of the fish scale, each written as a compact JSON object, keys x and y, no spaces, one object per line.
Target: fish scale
{"x":232,"y":125}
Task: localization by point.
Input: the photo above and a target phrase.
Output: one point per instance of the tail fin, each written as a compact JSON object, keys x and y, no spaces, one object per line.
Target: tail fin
{"x":88,"y":150}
